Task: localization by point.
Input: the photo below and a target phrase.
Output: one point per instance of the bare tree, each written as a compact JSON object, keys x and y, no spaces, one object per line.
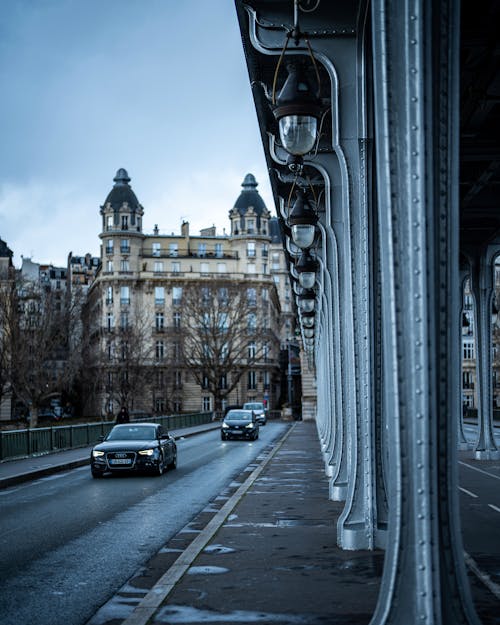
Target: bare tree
{"x":219,"y":326}
{"x":42,"y":366}
{"x":119,"y":360}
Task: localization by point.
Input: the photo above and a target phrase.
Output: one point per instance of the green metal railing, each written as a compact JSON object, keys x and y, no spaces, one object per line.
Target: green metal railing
{"x":38,"y":441}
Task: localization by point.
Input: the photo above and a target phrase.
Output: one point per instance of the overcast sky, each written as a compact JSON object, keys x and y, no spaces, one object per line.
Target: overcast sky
{"x":159,"y":87}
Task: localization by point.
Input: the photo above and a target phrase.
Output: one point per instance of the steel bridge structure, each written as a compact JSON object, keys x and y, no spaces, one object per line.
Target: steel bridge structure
{"x":400,"y":190}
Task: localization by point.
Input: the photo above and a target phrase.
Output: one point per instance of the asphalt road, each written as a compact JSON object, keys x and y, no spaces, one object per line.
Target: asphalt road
{"x":69,"y":542}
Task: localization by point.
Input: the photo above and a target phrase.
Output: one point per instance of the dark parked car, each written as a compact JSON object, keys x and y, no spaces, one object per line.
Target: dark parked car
{"x":240,"y":424}
{"x":134,"y":447}
{"x":258,"y":408}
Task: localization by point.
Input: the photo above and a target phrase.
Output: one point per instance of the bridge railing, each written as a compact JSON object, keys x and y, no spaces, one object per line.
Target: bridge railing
{"x":39,"y":441}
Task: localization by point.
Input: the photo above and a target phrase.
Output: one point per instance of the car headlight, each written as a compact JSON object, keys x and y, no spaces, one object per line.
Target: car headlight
{"x":250,"y":426}
{"x":225,"y":425}
{"x":146,"y":452}
{"x":96,"y":453}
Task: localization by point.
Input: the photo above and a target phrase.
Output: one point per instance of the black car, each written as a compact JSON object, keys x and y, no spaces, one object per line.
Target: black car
{"x":137,"y":447}
{"x":240,"y":424}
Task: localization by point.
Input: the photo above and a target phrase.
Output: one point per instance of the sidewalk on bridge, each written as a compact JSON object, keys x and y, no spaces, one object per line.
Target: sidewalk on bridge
{"x":263,"y":551}
{"x":20,"y":470}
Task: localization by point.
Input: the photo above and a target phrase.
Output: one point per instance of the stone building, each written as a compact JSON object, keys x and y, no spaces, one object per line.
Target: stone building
{"x":135,"y":306}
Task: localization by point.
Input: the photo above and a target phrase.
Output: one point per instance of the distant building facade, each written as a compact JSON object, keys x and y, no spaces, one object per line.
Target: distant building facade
{"x":140,"y":282}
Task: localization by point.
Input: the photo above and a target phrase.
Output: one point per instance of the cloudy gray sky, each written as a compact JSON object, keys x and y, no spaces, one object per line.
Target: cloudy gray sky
{"x":159,"y":87}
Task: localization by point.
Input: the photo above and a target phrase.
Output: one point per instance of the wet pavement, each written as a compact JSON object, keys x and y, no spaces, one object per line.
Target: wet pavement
{"x":270,"y":557}
{"x":263,"y":551}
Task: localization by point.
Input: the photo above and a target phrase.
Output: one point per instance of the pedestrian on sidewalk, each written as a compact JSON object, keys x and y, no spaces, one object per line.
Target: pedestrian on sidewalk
{"x":123,"y":416}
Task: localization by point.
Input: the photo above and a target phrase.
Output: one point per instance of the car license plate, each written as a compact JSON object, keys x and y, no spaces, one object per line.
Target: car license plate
{"x":121,"y":461}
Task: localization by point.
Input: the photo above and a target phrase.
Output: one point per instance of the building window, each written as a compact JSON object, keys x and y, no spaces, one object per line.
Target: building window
{"x":223,"y":381}
{"x":467,"y":380}
{"x":124,"y":265}
{"x":267,"y":380}
{"x":124,"y":295}
{"x":205,"y":295}
{"x":252,"y":322}
{"x":265,"y":269}
{"x":223,"y":295}
{"x":252,"y":297}
{"x":109,"y":222}
{"x":252,"y":350}
{"x":159,"y":295}
{"x":251,"y":249}
{"x":110,"y":321}
{"x":218,"y":250}
{"x":276,"y":261}
{"x":176,"y":294}
{"x":276,"y":280}
{"x":109,"y":266}
{"x":173,"y":249}
{"x":177,"y":319}
{"x":176,"y":350}
{"x":160,"y":379}
{"x":202,"y":249}
{"x":125,"y":246}
{"x":158,"y":266}
{"x":109,"y":295}
{"x":221,"y":267}
{"x":110,"y":352}
{"x":252,"y":381}
{"x":265,"y":295}
{"x":124,"y":320}
{"x":468,"y":302}
{"x":204,"y":267}
{"x":265,"y":250}
{"x":177,"y":405}
{"x":206,"y":404}
{"x":204,"y":381}
{"x":176,"y":267}
{"x":156,"y":249}
{"x":160,"y":321}
{"x":265,"y":352}
{"x":160,"y":350}
{"x":109,"y":246}
{"x":177,"y":379}
{"x":468,"y":350}
{"x":159,"y":404}
{"x":124,"y":222}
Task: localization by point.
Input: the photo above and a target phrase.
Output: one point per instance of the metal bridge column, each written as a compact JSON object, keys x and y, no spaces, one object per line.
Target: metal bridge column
{"x":482,"y":283}
{"x":415,"y":63}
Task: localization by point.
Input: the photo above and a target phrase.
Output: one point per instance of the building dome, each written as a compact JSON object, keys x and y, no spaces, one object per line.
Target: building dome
{"x":250,"y":198}
{"x":122,"y":192}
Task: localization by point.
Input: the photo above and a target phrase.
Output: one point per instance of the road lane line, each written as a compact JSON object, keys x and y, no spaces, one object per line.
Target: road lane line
{"x":494,"y":507}
{"x":164,"y":586}
{"x":467,"y":492}
{"x":492,"y":586}
{"x":497,"y":477}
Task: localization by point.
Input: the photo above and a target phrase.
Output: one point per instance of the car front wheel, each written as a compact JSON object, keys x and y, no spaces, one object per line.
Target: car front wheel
{"x":97,"y":474}
{"x":160,"y":467}
{"x":173,"y":464}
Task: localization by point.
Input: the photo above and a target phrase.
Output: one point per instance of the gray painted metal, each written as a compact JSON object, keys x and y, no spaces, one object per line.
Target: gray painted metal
{"x":388,"y":387}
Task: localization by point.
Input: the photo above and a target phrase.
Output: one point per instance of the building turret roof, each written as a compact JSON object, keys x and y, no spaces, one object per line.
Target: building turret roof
{"x":250,"y":197}
{"x":122,"y":192}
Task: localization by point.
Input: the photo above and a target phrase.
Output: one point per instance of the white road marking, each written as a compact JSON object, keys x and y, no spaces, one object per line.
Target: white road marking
{"x":484,"y":577}
{"x":467,"y":492}
{"x":497,"y":477}
{"x":494,"y":507}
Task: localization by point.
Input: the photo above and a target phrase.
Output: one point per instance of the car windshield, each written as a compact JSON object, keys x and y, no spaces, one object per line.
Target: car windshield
{"x":253,"y":406}
{"x":236,"y":415}
{"x":132,"y":433}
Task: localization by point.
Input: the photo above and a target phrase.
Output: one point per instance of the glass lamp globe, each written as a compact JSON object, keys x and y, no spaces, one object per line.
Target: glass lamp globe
{"x":307,"y":279}
{"x":303,"y":235}
{"x":308,"y":333}
{"x":307,"y":322}
{"x":298,"y":133}
{"x":306,"y":305}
